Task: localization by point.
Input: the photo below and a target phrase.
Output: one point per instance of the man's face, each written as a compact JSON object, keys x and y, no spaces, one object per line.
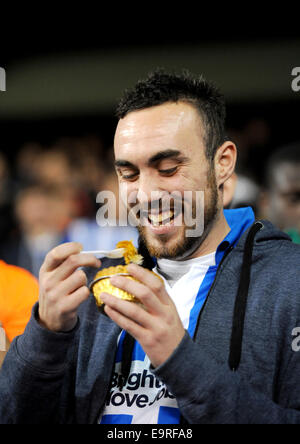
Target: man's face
{"x":284,"y":197}
{"x":158,"y":151}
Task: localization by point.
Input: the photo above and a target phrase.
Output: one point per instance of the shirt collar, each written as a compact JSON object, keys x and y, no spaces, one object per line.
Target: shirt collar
{"x":239,"y":220}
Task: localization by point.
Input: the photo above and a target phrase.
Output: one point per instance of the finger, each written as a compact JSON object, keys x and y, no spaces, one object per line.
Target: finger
{"x":150,"y":280}
{"x":72,"y":283}
{"x":73,"y":301}
{"x":136,"y":330}
{"x":143,"y":293}
{"x":59,"y":254}
{"x":72,"y":263}
{"x":127,"y":309}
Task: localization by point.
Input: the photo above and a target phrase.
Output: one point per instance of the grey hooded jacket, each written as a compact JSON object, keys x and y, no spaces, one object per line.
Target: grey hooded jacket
{"x":242,"y":366}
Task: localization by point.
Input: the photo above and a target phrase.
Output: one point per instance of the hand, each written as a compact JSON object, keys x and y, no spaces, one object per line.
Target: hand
{"x":157,"y":327}
{"x":62,"y":286}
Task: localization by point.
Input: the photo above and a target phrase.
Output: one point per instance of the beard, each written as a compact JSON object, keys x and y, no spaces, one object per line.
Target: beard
{"x":182,"y":246}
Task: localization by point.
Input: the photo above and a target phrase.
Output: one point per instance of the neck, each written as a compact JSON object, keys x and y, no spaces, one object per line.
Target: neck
{"x":216,"y":233}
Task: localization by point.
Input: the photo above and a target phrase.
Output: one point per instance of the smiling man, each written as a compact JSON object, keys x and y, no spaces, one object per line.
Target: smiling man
{"x":212,"y":340}
{"x":152,"y":171}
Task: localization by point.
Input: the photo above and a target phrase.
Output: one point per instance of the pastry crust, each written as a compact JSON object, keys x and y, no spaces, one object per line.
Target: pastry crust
{"x":101,"y":282}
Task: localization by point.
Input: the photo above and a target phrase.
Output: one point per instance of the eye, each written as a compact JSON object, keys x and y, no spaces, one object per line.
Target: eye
{"x":294,"y":198}
{"x":169,"y":171}
{"x":131,"y":176}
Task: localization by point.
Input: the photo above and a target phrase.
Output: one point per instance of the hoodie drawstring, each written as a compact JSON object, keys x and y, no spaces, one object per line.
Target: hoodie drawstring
{"x":241,"y":300}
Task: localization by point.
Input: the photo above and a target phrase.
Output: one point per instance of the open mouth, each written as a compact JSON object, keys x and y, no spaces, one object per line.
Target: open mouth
{"x":161,"y":218}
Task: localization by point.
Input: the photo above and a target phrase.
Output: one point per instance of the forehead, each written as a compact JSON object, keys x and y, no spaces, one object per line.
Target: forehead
{"x":169,"y":126}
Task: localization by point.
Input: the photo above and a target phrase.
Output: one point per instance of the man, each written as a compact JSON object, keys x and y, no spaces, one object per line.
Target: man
{"x":213,"y":343}
{"x":281,"y":199}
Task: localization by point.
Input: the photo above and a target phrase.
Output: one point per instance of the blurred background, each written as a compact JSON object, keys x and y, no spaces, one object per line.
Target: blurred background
{"x":63,"y":81}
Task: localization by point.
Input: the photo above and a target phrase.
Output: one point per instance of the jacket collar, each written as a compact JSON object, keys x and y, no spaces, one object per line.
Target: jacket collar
{"x":239,"y":221}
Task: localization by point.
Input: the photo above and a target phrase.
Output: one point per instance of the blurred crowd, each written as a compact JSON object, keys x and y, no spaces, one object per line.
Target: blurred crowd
{"x":48,"y":196}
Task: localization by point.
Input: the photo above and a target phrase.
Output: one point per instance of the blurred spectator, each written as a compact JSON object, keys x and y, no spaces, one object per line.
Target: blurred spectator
{"x":81,"y":161}
{"x":253,"y":139}
{"x":95,"y":237}
{"x":4,"y":180}
{"x":280,"y":201}
{"x":27,"y":162}
{"x":7,"y":188}
{"x":77,"y":163}
{"x":57,"y":188}
{"x":43,"y":213}
{"x":245,"y":193}
{"x":18,"y":293}
{"x":88,"y":163}
{"x":53,"y":168}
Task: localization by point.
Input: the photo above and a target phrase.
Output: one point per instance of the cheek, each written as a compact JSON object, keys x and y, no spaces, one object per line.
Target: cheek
{"x":127,"y":192}
{"x":187,"y":182}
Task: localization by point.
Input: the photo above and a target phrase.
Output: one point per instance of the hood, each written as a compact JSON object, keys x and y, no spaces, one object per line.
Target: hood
{"x":259,"y":234}
{"x":267,"y":233}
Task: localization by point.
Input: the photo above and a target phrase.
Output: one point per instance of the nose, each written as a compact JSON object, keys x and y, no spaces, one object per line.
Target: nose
{"x":149,"y":189}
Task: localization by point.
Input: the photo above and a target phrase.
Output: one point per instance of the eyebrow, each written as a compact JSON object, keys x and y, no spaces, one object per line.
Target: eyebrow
{"x":124,"y":163}
{"x":161,"y":155}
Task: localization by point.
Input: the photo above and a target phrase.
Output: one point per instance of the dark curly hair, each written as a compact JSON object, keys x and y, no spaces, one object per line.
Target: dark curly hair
{"x":161,"y":87}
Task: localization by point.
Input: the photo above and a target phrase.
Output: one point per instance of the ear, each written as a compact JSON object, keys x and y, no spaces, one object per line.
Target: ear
{"x":225,"y":161}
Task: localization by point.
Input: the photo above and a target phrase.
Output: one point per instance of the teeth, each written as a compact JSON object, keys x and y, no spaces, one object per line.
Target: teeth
{"x":159,"y":218}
